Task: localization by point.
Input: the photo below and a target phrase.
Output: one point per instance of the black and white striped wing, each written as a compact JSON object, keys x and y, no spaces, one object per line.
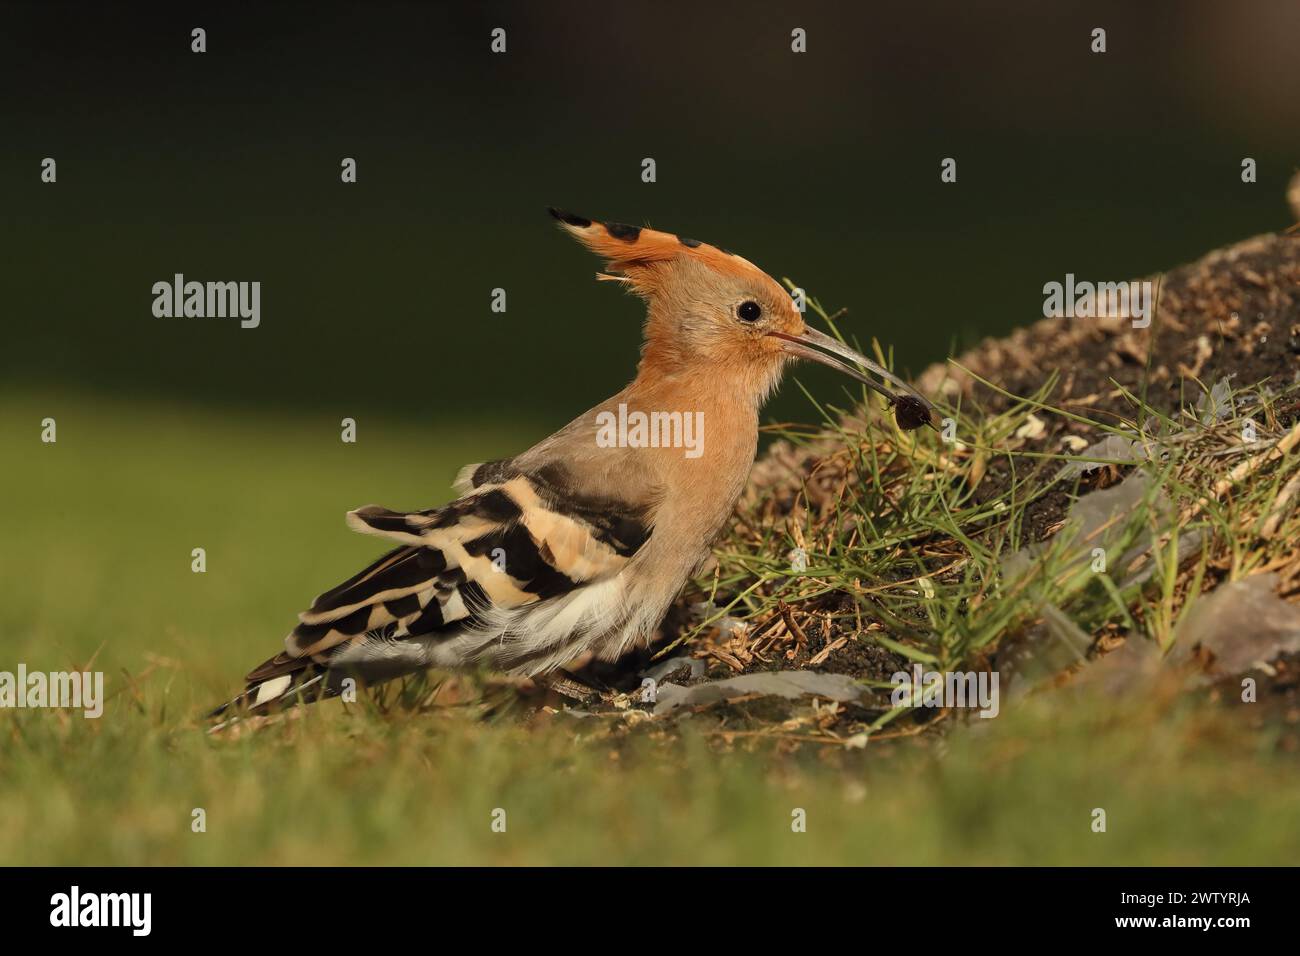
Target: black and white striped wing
{"x":508,"y":545}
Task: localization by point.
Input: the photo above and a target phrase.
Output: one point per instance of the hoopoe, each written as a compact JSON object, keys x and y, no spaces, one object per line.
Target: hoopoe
{"x":578,"y":545}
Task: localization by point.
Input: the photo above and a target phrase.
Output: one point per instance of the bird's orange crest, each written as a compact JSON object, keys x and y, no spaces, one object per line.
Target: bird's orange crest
{"x":632,"y":251}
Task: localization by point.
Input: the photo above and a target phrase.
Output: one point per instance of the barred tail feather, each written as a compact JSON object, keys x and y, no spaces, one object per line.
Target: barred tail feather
{"x":306,"y":683}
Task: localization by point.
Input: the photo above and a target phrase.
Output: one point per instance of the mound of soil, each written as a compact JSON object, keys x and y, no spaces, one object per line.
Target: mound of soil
{"x":1233,"y":314}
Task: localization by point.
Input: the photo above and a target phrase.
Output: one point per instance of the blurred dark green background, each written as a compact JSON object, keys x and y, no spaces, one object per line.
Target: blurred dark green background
{"x":823,"y":167}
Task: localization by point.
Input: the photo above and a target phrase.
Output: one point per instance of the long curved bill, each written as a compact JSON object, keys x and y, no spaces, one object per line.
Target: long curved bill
{"x":911,"y":403}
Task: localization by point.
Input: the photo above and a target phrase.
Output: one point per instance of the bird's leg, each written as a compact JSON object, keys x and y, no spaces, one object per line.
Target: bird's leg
{"x":566,"y":685}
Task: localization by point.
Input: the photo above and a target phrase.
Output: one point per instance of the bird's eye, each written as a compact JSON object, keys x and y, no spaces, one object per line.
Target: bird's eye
{"x":749,"y":311}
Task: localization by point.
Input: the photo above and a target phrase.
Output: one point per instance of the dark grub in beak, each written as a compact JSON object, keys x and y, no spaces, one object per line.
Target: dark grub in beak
{"x":911,"y":411}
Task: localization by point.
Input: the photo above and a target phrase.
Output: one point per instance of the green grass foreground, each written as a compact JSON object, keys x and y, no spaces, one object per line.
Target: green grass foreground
{"x":95,"y":556}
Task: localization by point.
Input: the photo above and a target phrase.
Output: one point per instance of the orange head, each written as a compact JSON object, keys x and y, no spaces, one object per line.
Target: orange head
{"x":712,"y":313}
